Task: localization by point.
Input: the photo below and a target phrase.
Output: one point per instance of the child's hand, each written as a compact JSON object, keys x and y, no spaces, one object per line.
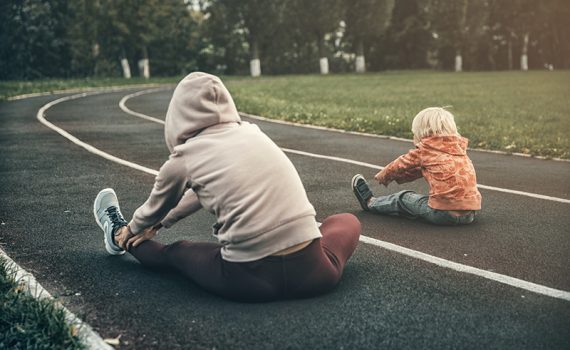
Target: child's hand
{"x":380,"y":178}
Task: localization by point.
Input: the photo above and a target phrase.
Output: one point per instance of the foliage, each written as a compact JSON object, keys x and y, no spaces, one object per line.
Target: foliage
{"x":84,"y":38}
{"x":29,"y":323}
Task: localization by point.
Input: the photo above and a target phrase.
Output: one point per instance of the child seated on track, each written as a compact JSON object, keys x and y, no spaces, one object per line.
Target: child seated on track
{"x":440,"y":157}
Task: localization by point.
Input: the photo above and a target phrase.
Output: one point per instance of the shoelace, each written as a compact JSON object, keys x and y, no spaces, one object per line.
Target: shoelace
{"x":116,"y":218}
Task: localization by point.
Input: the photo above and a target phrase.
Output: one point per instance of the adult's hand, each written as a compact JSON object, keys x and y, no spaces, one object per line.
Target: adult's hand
{"x":147,"y":234}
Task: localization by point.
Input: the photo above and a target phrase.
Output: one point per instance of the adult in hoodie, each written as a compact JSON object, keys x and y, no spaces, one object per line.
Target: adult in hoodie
{"x":440,"y":157}
{"x":270,"y":245}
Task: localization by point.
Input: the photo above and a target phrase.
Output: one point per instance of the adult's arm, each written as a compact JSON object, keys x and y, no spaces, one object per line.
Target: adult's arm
{"x":169,"y":187}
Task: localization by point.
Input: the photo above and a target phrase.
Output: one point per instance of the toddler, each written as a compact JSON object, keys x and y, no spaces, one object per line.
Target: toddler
{"x":440,"y":157}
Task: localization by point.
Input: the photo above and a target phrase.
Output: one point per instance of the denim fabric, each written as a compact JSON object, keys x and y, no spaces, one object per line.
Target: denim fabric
{"x":412,"y":205}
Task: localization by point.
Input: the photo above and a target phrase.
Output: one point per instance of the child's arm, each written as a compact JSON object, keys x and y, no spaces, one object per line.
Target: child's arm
{"x":405,"y":168}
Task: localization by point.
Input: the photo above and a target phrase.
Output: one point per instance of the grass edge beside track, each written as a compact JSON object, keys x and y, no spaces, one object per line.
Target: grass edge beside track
{"x":36,"y":309}
{"x":27,"y":322}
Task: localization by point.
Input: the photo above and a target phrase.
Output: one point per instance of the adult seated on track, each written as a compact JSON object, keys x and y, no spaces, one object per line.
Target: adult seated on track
{"x":270,"y":245}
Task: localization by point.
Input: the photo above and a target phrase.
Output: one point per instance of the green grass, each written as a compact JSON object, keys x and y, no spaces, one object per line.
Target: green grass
{"x":28,"y":323}
{"x":525,"y":112}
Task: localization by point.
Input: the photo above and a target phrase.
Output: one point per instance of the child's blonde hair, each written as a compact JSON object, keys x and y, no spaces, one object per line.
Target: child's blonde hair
{"x":434,"y":121}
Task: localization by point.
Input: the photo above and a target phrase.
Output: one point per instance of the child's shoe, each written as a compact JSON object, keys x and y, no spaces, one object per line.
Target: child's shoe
{"x":361,"y":190}
{"x":108,"y":216}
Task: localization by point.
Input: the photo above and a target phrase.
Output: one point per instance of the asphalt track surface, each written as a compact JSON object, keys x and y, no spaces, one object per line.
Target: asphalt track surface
{"x":385,"y":299}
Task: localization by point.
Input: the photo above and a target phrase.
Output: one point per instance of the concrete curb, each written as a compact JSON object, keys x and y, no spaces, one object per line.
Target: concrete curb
{"x":30,"y":285}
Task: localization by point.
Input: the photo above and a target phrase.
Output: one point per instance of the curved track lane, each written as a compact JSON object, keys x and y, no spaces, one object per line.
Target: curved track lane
{"x":385,"y":299}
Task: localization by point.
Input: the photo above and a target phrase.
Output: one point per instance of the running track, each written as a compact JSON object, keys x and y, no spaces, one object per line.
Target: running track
{"x":501,"y":283}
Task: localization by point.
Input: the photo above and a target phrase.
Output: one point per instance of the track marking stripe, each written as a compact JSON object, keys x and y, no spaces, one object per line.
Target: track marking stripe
{"x":497,"y":277}
{"x":41,"y":117}
{"x":515,"y":282}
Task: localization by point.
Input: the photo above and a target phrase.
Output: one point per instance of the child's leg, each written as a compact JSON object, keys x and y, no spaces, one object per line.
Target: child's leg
{"x":412,"y":205}
{"x":404,"y":203}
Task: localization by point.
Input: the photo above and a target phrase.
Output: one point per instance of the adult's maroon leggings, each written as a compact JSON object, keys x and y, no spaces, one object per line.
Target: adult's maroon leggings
{"x":313,"y":270}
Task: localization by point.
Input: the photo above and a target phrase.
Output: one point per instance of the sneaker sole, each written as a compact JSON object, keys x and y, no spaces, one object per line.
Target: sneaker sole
{"x":96,"y":204}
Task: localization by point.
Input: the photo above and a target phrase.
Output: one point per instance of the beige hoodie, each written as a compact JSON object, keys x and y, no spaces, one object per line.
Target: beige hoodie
{"x":230,"y":168}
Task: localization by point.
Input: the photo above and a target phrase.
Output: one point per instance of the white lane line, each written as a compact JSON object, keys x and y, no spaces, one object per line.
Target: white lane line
{"x":126,"y":109}
{"x":41,"y":117}
{"x":32,"y":287}
{"x":529,"y":286}
{"x":336,"y":159}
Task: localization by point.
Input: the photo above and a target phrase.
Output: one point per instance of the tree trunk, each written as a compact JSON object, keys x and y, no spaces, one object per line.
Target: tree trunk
{"x":144,"y":66}
{"x":510,"y":54}
{"x":95,"y":49}
{"x":360,"y":61}
{"x":458,"y":61}
{"x":323,"y":60}
{"x":254,"y":63}
{"x":125,"y":66}
{"x":524,"y":54}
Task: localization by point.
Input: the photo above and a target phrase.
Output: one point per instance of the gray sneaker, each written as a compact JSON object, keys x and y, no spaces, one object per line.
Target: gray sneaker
{"x":108,"y":216}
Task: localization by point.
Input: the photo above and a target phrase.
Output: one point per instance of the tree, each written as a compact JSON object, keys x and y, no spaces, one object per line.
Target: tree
{"x":33,"y":39}
{"x":366,"y":20}
{"x":315,"y":19}
{"x":408,"y":38}
{"x":259,"y":20}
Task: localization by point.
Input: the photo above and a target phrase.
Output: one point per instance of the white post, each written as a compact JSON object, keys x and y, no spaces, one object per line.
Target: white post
{"x":458,"y":63}
{"x":144,"y":68}
{"x":524,"y":62}
{"x":524,"y":56}
{"x":126,"y":68}
{"x":360,"y":64}
{"x":255,"y":67}
{"x":324,"y":63}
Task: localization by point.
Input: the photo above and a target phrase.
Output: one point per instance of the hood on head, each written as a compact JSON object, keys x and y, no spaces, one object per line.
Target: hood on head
{"x":199,"y":101}
{"x":451,"y":144}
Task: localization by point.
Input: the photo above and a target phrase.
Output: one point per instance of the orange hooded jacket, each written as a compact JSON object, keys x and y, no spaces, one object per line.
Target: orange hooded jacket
{"x":443,"y":162}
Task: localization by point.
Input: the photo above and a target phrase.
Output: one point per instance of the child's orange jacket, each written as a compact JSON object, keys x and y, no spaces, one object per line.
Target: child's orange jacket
{"x":443,"y":162}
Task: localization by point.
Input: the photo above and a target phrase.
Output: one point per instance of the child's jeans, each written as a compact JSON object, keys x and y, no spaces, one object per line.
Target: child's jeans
{"x":412,"y":205}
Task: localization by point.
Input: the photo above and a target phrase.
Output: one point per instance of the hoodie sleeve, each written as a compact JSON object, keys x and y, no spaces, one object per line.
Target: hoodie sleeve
{"x":405,"y":168}
{"x":168,"y":189}
{"x":188,"y":205}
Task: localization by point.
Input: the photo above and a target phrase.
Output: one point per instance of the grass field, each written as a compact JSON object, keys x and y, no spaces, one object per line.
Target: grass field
{"x":29,"y":323}
{"x":522,"y":112}
{"x":525,"y":112}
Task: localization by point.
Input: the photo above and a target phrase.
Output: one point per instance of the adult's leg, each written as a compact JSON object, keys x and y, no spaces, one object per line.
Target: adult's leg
{"x":340,"y":237}
{"x":199,"y":261}
{"x":203,"y":264}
